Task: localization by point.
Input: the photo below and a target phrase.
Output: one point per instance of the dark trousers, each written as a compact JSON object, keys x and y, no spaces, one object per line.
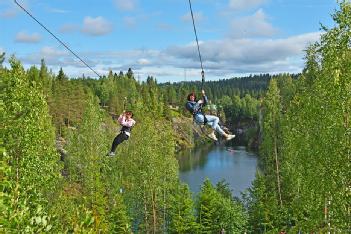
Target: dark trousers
{"x":118,"y":140}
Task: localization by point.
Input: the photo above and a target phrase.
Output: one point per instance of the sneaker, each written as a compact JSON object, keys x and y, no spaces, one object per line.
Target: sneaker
{"x":212,"y":135}
{"x":229,"y":137}
{"x":111,"y":154}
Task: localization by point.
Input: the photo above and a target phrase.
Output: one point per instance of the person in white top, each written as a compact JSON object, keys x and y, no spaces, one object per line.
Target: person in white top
{"x":127,"y":122}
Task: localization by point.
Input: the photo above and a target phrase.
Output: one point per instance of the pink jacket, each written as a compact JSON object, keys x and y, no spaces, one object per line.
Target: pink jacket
{"x":124,"y":122}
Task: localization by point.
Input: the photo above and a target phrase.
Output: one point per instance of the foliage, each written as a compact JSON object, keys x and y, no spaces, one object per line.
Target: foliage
{"x":182,"y":211}
{"x":303,"y":184}
{"x":217,"y":212}
{"x":306,"y":135}
{"x":2,"y":58}
{"x":30,"y":163}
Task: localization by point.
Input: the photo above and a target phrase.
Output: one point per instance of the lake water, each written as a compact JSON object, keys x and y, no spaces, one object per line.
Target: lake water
{"x":234,"y":164}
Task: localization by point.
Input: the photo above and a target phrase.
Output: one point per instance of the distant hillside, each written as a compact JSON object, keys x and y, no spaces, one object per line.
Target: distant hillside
{"x":255,"y":85}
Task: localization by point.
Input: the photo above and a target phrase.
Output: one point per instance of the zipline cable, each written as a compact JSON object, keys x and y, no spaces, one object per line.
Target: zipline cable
{"x":61,"y":42}
{"x":200,"y":58}
{"x":198,"y":47}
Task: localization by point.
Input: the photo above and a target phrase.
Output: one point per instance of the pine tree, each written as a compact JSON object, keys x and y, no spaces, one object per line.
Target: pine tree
{"x":206,"y":208}
{"x":260,"y":206}
{"x":130,"y":74}
{"x":46,"y":80}
{"x":217,"y":212}
{"x":182,"y":211}
{"x":33,"y":75}
{"x":2,"y":58}
{"x":61,"y":75}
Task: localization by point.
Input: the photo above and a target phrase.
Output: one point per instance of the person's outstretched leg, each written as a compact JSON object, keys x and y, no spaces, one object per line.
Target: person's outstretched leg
{"x":200,"y":120}
{"x":213,"y":121}
{"x":118,"y":140}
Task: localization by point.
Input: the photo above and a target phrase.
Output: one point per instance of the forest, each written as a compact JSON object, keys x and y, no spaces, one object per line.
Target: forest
{"x":56,"y":131}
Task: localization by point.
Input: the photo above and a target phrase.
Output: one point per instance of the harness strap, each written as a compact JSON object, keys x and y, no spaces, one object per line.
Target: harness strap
{"x":205,"y":119}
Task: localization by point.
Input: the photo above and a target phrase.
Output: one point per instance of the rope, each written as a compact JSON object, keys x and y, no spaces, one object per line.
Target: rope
{"x":61,"y":42}
{"x":200,"y":58}
{"x":198,"y":47}
{"x":124,"y":103}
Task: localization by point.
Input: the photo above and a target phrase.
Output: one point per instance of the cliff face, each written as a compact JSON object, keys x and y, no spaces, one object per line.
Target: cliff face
{"x":247,"y":133}
{"x":188,"y":134}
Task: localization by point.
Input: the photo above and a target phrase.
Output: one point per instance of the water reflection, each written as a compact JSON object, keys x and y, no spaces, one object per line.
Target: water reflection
{"x":234,"y":164}
{"x":193,"y":159}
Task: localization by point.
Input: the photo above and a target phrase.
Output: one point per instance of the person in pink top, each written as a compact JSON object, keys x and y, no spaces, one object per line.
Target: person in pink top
{"x":127,"y":122}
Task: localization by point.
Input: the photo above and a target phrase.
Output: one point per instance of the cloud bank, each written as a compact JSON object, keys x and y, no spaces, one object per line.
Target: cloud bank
{"x":255,"y":25}
{"x":244,"y":4}
{"x":24,"y":37}
{"x":221,"y":58}
{"x":124,"y":5}
{"x":96,"y":26}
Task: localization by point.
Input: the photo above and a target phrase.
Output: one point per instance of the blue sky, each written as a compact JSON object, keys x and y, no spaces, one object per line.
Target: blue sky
{"x":154,"y":37}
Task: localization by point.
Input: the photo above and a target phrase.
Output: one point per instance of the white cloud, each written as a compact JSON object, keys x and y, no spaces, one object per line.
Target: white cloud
{"x":57,"y":10}
{"x":8,"y":13}
{"x":125,"y":5}
{"x":51,"y":56}
{"x":56,"y":58}
{"x":129,"y":21}
{"x":24,"y":37}
{"x":244,"y":4}
{"x":96,"y":26}
{"x":50,"y":52}
{"x":198,"y":17}
{"x":251,"y":26}
{"x":10,"y":9}
{"x":143,"y":61}
{"x":66,"y":28}
{"x":247,"y":55}
{"x":222,"y":59}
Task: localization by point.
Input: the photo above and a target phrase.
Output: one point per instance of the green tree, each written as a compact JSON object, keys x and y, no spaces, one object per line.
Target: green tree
{"x":317,"y":140}
{"x":287,"y":89}
{"x":86,"y":148}
{"x":2,"y":58}
{"x":260,"y":205}
{"x":46,"y":80}
{"x":216,"y":212}
{"x":33,"y":75}
{"x":31,"y":155}
{"x":61,"y":75}
{"x":119,"y":219}
{"x":236,"y":108}
{"x":271,"y":144}
{"x":207,"y":209}
{"x":250,"y":106}
{"x":130,"y":74}
{"x":148,"y":172}
{"x":182,"y":211}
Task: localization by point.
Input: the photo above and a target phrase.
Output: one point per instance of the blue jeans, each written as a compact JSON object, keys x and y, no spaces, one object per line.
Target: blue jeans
{"x":211,"y":121}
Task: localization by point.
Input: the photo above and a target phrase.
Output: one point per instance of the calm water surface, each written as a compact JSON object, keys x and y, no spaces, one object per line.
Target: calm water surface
{"x":234,"y":164}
